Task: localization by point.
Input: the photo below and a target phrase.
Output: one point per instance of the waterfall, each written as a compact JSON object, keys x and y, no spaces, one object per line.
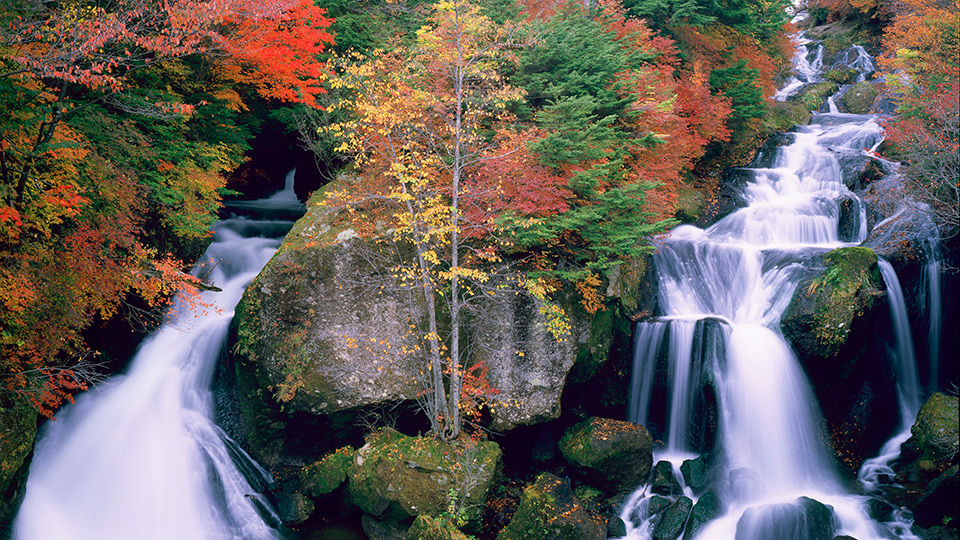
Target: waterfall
{"x":139,"y":457}
{"x":741,"y":272}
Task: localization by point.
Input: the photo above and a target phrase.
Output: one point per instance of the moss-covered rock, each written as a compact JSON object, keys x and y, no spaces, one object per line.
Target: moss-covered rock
{"x":860,"y":97}
{"x":841,"y":75}
{"x":934,"y":435}
{"x":328,"y":474}
{"x":395,"y":476}
{"x":549,"y":509}
{"x":18,"y":430}
{"x":663,"y":481}
{"x":825,"y":309}
{"x":815,"y":95}
{"x":611,"y":454}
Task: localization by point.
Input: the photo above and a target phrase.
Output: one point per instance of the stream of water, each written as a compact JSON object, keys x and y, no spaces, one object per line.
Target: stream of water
{"x":139,"y":457}
{"x":734,"y":280}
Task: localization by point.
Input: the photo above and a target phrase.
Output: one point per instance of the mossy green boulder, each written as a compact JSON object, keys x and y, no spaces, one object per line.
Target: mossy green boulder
{"x":395,"y":476}
{"x":934,"y":435}
{"x":860,"y":97}
{"x":549,"y":509}
{"x":611,"y":454}
{"x":328,"y":474}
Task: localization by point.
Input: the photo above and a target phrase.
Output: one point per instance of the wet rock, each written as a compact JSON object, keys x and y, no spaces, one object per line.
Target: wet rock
{"x":770,"y":150}
{"x":18,"y":430}
{"x":673,"y":520}
{"x":387,"y":529}
{"x":658,"y":504}
{"x":616,"y":528}
{"x":663,"y":481}
{"x":294,"y":508}
{"x":820,"y":519}
{"x":857,"y":169}
{"x":398,"y":477}
{"x":849,"y":220}
{"x":879,"y":510}
{"x":611,"y":454}
{"x":833,"y":322}
{"x":696,"y":472}
{"x":708,"y":507}
{"x":859,"y":98}
{"x":941,"y":501}
{"x":549,"y":509}
{"x":804,"y":518}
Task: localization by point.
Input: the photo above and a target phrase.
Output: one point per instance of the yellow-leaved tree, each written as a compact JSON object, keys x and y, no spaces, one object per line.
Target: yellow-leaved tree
{"x":421,"y":122}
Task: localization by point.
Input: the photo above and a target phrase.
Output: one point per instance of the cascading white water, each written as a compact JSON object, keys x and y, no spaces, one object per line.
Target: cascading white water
{"x":139,"y":457}
{"x":908,"y":383}
{"x":742,"y":271}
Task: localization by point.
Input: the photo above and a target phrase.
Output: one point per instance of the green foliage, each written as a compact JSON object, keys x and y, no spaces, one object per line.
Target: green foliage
{"x":374,"y":25}
{"x":660,"y":13}
{"x":741,"y":85}
{"x":573,"y":58}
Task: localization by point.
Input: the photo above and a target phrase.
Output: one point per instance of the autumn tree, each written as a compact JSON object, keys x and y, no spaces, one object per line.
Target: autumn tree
{"x":922,"y":57}
{"x":418,"y":126}
{"x":117,"y":120}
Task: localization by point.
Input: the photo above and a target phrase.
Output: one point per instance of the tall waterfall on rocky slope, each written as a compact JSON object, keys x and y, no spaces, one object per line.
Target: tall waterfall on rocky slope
{"x":722,"y":293}
{"x":140,"y":457}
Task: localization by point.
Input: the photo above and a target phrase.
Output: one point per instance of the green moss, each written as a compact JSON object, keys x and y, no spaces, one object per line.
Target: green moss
{"x":396,"y":476}
{"x":689,"y":203}
{"x":327,"y":474}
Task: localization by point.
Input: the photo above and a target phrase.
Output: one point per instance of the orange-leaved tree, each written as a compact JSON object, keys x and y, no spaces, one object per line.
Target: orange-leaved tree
{"x":922,"y":59}
{"x":78,"y":119}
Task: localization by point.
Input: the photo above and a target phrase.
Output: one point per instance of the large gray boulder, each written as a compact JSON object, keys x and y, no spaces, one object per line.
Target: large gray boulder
{"x":324,"y":329}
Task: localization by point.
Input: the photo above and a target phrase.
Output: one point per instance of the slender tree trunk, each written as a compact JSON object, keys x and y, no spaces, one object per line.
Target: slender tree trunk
{"x":456,"y":377}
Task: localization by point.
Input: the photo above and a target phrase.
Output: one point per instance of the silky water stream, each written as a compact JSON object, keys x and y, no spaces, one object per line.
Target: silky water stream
{"x":717,"y":344}
{"x":139,"y":457}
